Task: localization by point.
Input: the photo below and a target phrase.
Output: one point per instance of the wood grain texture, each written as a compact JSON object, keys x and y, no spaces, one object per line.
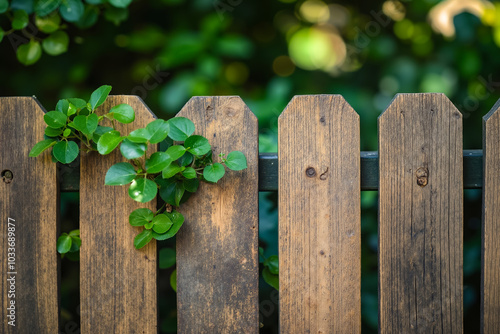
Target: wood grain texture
{"x":217,"y":247}
{"x":490,"y":289}
{"x":117,"y":282}
{"x":420,"y":216}
{"x":319,"y":216}
{"x":32,"y":201}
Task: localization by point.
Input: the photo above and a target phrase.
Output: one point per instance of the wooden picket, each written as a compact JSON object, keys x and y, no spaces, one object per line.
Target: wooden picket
{"x":117,"y":282}
{"x":319,"y":216}
{"x":420,"y":178}
{"x":420,"y":216}
{"x":490,"y":292}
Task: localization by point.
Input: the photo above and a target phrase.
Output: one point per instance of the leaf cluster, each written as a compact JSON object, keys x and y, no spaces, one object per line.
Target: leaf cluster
{"x":270,"y":273}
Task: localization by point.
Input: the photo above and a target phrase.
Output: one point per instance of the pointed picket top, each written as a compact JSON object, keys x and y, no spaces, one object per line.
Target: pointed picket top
{"x":29,"y":209}
{"x":217,"y":247}
{"x":334,"y":99}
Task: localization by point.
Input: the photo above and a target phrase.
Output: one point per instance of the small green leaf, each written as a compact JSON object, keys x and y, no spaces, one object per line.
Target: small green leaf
{"x":214,"y":172}
{"x":72,"y":10}
{"x":191,"y":185}
{"x":63,"y":106}
{"x":173,"y":280}
{"x":56,"y":43}
{"x":64,"y":243}
{"x":48,"y":24}
{"x":74,"y":233}
{"x":132,"y":150}
{"x":86,"y":124}
{"x":76,"y":242}
{"x":41,"y":146}
{"x":197,"y":145}
{"x":176,"y":151}
{"x":55,"y":119}
{"x":120,"y":3}
{"x":29,"y":53}
{"x":166,"y":258}
{"x":78,"y":103}
{"x":143,"y":190}
{"x":168,"y":188}
{"x":116,"y":15}
{"x":236,"y":160}
{"x":139,"y":136}
{"x":177,"y":219}
{"x":89,"y":17}
{"x":140,"y":217}
{"x":189,"y":173}
{"x":269,"y":278}
{"x":180,"y":128}
{"x":120,"y":174}
{"x":108,"y":142}
{"x":148,"y":226}
{"x":158,"y":130}
{"x":123,"y":113}
{"x":20,"y":20}
{"x":4,"y":5}
{"x":45,"y":7}
{"x":66,"y":132}
{"x":161,"y":223}
{"x":157,"y":162}
{"x":51,"y":132}
{"x":171,"y":170}
{"x":143,"y":238}
{"x":99,"y":96}
{"x":100,"y":131}
{"x":272,"y":263}
{"x":66,"y":151}
{"x":179,"y":192}
{"x":186,"y":159}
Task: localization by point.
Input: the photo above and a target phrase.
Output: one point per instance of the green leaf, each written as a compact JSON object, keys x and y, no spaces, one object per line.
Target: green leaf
{"x":109,"y":141}
{"x":173,"y":280}
{"x":2,"y":33}
{"x":189,"y":173}
{"x":177,"y":219}
{"x":179,"y":192}
{"x":123,"y":113}
{"x":55,"y":119}
{"x":51,"y":132}
{"x":26,"y":5}
{"x":76,"y":242}
{"x":180,"y":128}
{"x":48,"y":24}
{"x":269,"y":278}
{"x":4,"y":5}
{"x":197,"y":145}
{"x":29,"y":53}
{"x":41,"y":146}
{"x":143,"y":190}
{"x":64,"y":243}
{"x":161,"y":223}
{"x":140,"y":217}
{"x":63,"y":106}
{"x":158,"y":130}
{"x":99,"y":96}
{"x":214,"y":172}
{"x":89,"y":17}
{"x":176,"y":151}
{"x":66,"y":132}
{"x":66,"y":151}
{"x":157,"y":162}
{"x":132,"y":150}
{"x":186,"y":159}
{"x":120,"y":174}
{"x":78,"y":103}
{"x":116,"y":15}
{"x":166,"y":258}
{"x":191,"y":185}
{"x":20,"y":20}
{"x":272,"y":263}
{"x":120,"y":3}
{"x":171,"y":170}
{"x":100,"y":131}
{"x":45,"y":7}
{"x":86,"y":124}
{"x":139,"y":136}
{"x":74,"y":233}
{"x":56,"y":43}
{"x":148,"y":225}
{"x":72,"y":10}
{"x":168,"y":189}
{"x":236,"y":160}
{"x":143,"y":238}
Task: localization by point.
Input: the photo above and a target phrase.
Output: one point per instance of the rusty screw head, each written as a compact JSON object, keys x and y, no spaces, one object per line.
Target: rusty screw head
{"x":7,"y":176}
{"x":310,"y":172}
{"x":422,"y":176}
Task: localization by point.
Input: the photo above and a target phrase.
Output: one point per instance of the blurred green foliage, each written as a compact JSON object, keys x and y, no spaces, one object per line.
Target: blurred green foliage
{"x":267,"y":51}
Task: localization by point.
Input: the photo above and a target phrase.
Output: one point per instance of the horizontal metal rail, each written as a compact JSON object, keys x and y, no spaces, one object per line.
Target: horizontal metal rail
{"x":268,"y":172}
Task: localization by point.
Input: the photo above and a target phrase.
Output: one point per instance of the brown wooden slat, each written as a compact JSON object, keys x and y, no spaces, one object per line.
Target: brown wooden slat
{"x":31,"y":200}
{"x":217,"y":254}
{"x":117,"y":282}
{"x":490,"y":292}
{"x":319,"y":216}
{"x":420,"y":217}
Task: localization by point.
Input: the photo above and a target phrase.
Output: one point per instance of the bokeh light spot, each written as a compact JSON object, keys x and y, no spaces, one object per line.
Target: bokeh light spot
{"x":283,"y":66}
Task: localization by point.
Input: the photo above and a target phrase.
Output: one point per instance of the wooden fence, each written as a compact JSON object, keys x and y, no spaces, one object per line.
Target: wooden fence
{"x":420,"y":172}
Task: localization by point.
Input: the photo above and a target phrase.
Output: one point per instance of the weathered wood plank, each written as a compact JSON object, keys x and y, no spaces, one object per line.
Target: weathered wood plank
{"x":29,"y":201}
{"x":490,"y":289}
{"x":117,"y":282}
{"x":319,"y":216}
{"x":217,"y":247}
{"x":420,"y":216}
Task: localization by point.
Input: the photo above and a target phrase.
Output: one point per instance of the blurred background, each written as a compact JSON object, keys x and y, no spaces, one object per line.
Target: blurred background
{"x":266,"y":51}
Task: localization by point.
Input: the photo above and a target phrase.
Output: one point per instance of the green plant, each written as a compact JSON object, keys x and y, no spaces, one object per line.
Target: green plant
{"x":174,"y":173}
{"x":270,"y":273}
